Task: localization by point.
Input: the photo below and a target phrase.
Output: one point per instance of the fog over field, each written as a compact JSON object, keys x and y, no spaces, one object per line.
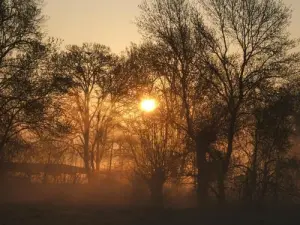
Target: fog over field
{"x":151,"y":111}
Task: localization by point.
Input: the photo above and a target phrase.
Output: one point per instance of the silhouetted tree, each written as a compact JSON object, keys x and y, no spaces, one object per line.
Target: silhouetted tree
{"x":20,"y":48}
{"x":26,"y":96}
{"x":173,"y":54}
{"x":273,"y":128}
{"x":250,"y":47}
{"x":156,"y":147}
{"x":96,"y":83}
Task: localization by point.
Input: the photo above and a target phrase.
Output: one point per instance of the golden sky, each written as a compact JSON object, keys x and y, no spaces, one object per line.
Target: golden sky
{"x":109,"y":22}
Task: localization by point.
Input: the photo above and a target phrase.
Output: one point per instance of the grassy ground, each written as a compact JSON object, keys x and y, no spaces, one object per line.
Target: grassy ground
{"x":51,"y":214}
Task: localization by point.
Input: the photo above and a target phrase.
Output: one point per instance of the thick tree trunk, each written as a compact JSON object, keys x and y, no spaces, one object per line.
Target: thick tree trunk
{"x":156,"y":184}
{"x":156,"y":193}
{"x":205,"y":138}
{"x":226,"y":161}
{"x":202,"y":176}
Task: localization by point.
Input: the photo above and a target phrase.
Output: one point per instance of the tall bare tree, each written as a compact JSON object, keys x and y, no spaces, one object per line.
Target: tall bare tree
{"x":157,"y":150}
{"x":251,"y":48}
{"x":20,"y":50}
{"x":170,"y":27}
{"x":96,"y":83}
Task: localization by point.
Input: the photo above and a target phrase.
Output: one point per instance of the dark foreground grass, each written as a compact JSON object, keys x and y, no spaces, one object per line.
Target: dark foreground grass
{"x":54,"y":214}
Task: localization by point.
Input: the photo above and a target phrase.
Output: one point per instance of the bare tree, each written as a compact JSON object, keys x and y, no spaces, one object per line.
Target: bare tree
{"x":273,"y":128}
{"x":27,"y":95}
{"x":96,"y":83}
{"x":157,"y":149}
{"x":20,"y":49}
{"x":251,"y":47}
{"x":177,"y":47}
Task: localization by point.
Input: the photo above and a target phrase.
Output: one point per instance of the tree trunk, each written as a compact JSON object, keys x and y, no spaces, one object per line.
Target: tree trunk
{"x":226,"y":161}
{"x":202,"y":178}
{"x":86,"y":137}
{"x":156,"y":184}
{"x":86,"y":155}
{"x":253,"y":171}
{"x":110,"y":158}
{"x":276,"y":184}
{"x":97,"y":155}
{"x":2,"y":171}
{"x":156,"y":193}
{"x":264,"y":183}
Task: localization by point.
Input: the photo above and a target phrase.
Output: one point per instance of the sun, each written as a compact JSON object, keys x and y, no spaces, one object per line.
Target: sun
{"x":148,"y":105}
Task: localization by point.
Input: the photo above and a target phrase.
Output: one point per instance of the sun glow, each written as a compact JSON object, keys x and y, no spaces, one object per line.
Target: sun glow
{"x":148,"y":105}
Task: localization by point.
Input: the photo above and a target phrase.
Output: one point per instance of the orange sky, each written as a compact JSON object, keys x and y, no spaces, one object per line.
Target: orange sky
{"x":109,"y":22}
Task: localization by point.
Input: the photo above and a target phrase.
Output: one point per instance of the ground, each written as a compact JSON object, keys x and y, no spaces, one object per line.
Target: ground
{"x":44,"y":214}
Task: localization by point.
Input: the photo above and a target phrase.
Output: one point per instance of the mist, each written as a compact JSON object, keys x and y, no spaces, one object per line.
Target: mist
{"x":198,"y":123}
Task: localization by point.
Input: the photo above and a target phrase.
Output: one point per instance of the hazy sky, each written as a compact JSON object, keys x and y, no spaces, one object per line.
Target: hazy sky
{"x":109,"y":22}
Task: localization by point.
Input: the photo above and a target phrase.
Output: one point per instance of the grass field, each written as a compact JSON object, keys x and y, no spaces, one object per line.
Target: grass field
{"x":51,"y":214}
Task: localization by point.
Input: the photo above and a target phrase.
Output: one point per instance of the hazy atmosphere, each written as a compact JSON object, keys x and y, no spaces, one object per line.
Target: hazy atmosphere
{"x":110,"y":22}
{"x":150,"y":112}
